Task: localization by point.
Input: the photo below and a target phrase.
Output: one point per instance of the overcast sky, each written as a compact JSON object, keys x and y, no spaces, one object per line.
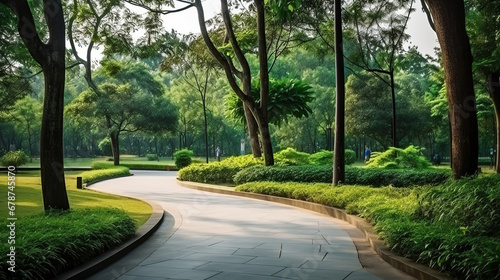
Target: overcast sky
{"x":187,"y":22}
{"x":418,"y":27}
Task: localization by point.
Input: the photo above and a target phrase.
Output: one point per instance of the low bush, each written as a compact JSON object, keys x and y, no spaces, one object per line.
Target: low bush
{"x":14,"y":158}
{"x":324,"y":157}
{"x":411,"y":157}
{"x":132,"y":166}
{"x":183,"y":158}
{"x":63,"y":240}
{"x":152,"y":157}
{"x":353,"y":176}
{"x":218,"y":171}
{"x":103,"y":174}
{"x":290,"y":156}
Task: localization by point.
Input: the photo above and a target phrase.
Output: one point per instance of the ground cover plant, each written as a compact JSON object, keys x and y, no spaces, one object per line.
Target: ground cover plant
{"x":51,"y":243}
{"x":411,"y":157}
{"x":452,"y":227}
{"x":56,"y":230}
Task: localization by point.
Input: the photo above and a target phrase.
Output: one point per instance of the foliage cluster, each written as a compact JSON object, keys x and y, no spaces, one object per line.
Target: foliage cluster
{"x":62,"y":240}
{"x":399,"y":158}
{"x":183,"y":158}
{"x":14,"y":158}
{"x":152,"y":157}
{"x":218,"y":171}
{"x":354,"y":176}
{"x":132,"y":165}
{"x":103,"y":171}
{"x":324,"y":157}
{"x":290,"y":156}
{"x":452,"y":227}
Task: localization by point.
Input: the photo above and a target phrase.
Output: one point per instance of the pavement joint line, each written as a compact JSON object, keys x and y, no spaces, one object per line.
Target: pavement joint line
{"x":408,"y":266}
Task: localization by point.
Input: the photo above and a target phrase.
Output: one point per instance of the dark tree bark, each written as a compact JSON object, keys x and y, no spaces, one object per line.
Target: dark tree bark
{"x":339,"y":146}
{"x":494,"y":90}
{"x":115,"y":147}
{"x":449,"y":22}
{"x":50,"y":56}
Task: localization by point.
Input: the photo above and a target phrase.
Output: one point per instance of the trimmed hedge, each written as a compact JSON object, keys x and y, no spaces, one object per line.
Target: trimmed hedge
{"x":14,"y":158}
{"x":183,"y":158}
{"x":133,"y":166}
{"x":217,"y":171}
{"x":354,"y":176}
{"x":103,"y":171}
{"x":63,"y":240}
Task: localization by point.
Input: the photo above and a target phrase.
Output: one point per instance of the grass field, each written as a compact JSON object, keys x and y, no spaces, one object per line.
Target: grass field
{"x":29,"y":201}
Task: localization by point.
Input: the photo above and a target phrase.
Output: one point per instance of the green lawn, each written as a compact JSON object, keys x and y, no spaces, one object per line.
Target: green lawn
{"x":29,"y":197}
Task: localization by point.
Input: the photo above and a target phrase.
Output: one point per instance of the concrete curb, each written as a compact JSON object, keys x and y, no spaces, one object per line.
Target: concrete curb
{"x":406,"y":265}
{"x":94,"y":265}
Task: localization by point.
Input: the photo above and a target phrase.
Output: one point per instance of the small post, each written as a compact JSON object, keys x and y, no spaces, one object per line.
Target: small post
{"x":79,"y":184}
{"x":168,"y":167}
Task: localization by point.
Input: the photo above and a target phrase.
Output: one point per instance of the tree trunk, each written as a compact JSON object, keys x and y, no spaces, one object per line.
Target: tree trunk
{"x":394,"y":122}
{"x":206,"y":128}
{"x":267,"y":147}
{"x":449,"y":21}
{"x":50,"y":56}
{"x":253,"y":133}
{"x":339,"y":146}
{"x":494,"y":90}
{"x":115,"y":147}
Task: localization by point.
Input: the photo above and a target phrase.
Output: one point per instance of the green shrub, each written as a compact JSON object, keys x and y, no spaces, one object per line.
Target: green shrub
{"x":219,"y":171}
{"x":353,"y":176}
{"x":468,"y":203}
{"x":322,"y":157}
{"x":14,"y":158}
{"x":399,"y":158}
{"x":60,"y":241}
{"x":290,"y":156}
{"x":152,"y":157}
{"x":104,"y":173}
{"x":105,"y":147}
{"x":350,"y":157}
{"x":183,"y":158}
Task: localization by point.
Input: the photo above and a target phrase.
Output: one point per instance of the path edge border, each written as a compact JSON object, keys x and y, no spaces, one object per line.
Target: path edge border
{"x":419,"y":271}
{"x":102,"y":261}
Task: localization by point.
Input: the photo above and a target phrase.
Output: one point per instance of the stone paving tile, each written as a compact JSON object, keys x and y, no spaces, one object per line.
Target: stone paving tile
{"x":242,"y":268}
{"x":296,"y":261}
{"x":130,"y":277}
{"x":271,"y":253}
{"x":312,"y":274}
{"x":360,"y":275}
{"x":242,"y":276}
{"x":218,"y":258}
{"x":184,"y":263}
{"x":210,"y":249}
{"x":345,"y":264}
{"x":172,"y":273}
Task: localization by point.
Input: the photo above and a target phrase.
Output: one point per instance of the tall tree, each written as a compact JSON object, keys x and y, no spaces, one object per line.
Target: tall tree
{"x":449,"y":21}
{"x":50,"y":56}
{"x":483,"y":28}
{"x":339,"y":146}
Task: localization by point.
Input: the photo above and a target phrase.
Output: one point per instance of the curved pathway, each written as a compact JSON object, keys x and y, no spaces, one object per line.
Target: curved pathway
{"x":214,"y":236}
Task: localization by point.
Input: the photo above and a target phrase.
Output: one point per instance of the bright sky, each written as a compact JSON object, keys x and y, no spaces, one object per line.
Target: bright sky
{"x":418,"y":27}
{"x":187,"y":22}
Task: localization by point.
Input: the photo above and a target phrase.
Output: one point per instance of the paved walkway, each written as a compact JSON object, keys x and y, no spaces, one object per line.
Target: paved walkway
{"x":213,"y":236}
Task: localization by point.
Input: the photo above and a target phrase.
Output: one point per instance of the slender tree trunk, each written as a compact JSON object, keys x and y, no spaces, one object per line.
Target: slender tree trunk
{"x":449,"y":21}
{"x":394,"y":122}
{"x":206,"y":128}
{"x":494,"y":90}
{"x":115,"y":147}
{"x":253,"y":133}
{"x":339,"y":146}
{"x":267,"y":147}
